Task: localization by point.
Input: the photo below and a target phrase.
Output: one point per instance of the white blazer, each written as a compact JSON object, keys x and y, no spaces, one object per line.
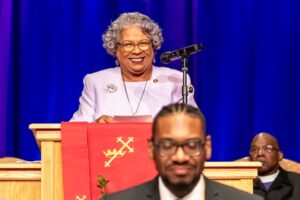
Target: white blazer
{"x":104,"y":94}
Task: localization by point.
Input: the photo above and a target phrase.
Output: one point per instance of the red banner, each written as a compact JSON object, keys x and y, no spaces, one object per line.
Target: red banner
{"x":75,"y":161}
{"x":118,"y":152}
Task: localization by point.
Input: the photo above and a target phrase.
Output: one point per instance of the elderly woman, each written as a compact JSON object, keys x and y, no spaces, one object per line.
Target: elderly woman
{"x":134,"y":87}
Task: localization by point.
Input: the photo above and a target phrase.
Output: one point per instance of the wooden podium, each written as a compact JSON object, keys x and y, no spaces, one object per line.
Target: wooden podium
{"x":48,"y":136}
{"x":19,"y":179}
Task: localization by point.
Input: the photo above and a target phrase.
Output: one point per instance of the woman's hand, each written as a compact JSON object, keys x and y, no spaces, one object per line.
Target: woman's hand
{"x":105,"y":119}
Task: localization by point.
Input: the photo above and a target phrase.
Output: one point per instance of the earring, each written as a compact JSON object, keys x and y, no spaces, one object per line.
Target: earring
{"x":117,"y":62}
{"x":153,"y":60}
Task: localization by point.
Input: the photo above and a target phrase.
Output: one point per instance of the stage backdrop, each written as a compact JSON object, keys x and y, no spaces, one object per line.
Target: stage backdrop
{"x":246,"y":79}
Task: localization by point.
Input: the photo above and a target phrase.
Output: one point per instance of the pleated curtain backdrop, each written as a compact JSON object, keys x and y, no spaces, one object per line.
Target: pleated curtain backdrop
{"x":246,"y":79}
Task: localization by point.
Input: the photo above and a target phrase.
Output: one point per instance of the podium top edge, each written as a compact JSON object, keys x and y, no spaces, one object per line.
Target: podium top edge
{"x":35,"y":126}
{"x":232,"y":163}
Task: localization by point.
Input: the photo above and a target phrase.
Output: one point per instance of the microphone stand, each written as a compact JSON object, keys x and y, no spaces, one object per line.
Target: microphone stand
{"x":185,"y":91}
{"x":183,"y":53}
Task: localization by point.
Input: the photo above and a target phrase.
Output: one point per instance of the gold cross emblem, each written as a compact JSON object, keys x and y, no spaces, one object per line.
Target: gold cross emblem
{"x":80,"y":198}
{"x":113,"y":154}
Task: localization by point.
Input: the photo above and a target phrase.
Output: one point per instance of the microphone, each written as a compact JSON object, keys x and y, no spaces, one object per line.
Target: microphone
{"x":170,"y":56}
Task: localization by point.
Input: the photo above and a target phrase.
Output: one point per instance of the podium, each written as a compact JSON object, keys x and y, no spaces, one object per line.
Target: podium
{"x":48,"y":136}
{"x":19,"y":179}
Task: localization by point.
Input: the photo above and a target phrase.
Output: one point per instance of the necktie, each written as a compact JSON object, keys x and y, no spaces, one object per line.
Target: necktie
{"x":267,"y":185}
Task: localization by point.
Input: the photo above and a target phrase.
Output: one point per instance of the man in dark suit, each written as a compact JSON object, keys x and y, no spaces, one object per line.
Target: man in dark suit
{"x":273,"y":182}
{"x":179,"y":148}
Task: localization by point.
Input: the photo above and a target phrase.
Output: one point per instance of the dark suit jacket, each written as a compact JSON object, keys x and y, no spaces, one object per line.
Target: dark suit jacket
{"x":285,"y":187}
{"x":149,"y":190}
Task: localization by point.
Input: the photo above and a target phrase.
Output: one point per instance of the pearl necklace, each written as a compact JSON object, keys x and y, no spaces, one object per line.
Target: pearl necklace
{"x":143,"y":92}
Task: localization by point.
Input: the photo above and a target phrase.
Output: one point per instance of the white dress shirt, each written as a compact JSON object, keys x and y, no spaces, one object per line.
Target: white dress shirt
{"x":197,"y":193}
{"x":269,"y":178}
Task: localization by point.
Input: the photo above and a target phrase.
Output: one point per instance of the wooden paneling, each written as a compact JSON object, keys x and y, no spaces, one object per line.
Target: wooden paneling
{"x":20,"y":180}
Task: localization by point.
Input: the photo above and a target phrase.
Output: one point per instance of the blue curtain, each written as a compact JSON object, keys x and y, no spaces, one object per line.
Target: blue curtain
{"x":246,"y":79}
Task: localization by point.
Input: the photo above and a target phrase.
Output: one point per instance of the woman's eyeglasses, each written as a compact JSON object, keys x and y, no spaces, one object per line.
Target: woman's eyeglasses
{"x":128,"y":46}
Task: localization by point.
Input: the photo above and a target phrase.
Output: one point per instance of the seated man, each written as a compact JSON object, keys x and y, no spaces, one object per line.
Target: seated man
{"x":273,"y":182}
{"x":179,"y":148}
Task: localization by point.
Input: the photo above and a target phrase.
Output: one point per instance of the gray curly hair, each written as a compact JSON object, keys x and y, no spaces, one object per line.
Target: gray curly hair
{"x":150,"y":28}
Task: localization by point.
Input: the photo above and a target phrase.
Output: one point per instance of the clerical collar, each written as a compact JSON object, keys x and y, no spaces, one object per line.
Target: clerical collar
{"x":269,"y":178}
{"x":196,"y":193}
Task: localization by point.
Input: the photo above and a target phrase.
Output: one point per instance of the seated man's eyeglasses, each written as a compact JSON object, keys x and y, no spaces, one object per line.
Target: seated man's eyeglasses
{"x":167,"y":147}
{"x":267,"y":148}
{"x":129,"y":46}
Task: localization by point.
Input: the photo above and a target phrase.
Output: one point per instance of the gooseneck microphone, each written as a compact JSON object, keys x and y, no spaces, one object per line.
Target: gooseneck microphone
{"x":170,"y":56}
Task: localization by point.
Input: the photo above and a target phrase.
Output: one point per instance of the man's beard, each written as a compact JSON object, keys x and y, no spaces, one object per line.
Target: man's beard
{"x":181,"y":186}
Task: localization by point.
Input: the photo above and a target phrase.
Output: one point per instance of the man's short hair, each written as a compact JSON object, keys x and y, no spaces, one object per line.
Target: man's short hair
{"x":177,"y":108}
